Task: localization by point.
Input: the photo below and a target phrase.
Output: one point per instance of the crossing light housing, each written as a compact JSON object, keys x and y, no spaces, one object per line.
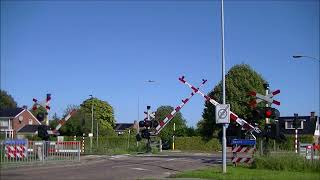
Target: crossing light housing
{"x":40,"y":116}
{"x":43,"y":133}
{"x":265,"y":112}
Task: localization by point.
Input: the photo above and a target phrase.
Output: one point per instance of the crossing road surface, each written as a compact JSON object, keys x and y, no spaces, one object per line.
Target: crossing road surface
{"x":114,"y":167}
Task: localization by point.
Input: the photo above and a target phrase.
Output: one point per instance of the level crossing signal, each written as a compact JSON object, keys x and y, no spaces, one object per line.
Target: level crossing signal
{"x":43,"y":132}
{"x":265,"y":112}
{"x":148,"y":124}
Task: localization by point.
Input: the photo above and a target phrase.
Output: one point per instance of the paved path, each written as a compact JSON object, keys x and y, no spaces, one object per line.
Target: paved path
{"x":114,"y":167}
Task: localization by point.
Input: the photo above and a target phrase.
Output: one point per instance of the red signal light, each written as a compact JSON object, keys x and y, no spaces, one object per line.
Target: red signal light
{"x":268,"y":113}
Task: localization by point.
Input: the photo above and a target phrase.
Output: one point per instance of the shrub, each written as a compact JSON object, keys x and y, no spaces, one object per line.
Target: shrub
{"x":196,"y":143}
{"x":287,"y":145}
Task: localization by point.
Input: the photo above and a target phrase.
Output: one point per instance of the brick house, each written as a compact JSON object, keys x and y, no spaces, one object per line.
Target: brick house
{"x":12,"y":120}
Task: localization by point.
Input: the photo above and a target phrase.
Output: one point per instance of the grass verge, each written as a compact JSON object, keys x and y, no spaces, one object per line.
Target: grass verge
{"x":246,"y":173}
{"x":286,"y":162}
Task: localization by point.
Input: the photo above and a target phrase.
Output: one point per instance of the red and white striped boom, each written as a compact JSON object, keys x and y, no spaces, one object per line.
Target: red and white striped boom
{"x":166,"y":120}
{"x":233,"y":116}
{"x":62,"y":122}
{"x":44,"y":104}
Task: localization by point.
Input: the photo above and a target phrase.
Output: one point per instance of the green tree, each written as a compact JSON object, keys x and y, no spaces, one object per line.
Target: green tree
{"x":240,"y":80}
{"x":73,"y":125}
{"x":81,"y":122}
{"x":167,"y":132}
{"x":53,"y":122}
{"x":6,"y":100}
{"x":191,"y":131}
{"x":102,"y":113}
{"x":40,"y":109}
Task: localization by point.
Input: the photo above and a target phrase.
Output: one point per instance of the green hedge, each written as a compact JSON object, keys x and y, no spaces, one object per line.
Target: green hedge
{"x":196,"y":143}
{"x":287,"y":145}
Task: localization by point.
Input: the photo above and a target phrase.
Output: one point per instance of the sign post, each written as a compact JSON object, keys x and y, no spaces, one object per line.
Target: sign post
{"x":223,"y":117}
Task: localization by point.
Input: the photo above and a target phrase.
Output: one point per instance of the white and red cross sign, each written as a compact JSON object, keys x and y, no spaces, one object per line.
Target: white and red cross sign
{"x":267,"y":98}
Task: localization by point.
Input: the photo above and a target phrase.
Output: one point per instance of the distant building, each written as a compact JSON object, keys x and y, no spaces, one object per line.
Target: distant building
{"x":27,"y":130}
{"x":14,"y":119}
{"x":309,"y":125}
{"x":121,"y":128}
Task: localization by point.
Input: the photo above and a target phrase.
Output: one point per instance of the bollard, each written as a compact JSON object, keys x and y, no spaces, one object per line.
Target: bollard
{"x":83,"y":143}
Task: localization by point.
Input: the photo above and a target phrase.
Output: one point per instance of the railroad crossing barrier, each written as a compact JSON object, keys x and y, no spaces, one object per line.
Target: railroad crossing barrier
{"x":23,"y":151}
{"x":243,"y":151}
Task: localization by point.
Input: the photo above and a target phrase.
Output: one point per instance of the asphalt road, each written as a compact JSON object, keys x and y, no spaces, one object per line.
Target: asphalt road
{"x":114,"y":167}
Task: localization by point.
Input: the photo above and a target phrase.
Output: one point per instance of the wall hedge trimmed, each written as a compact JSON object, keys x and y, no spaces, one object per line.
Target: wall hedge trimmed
{"x":196,"y":143}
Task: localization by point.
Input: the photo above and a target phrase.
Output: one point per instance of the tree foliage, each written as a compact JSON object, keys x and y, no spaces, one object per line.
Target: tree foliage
{"x":6,"y":100}
{"x":40,"y":109}
{"x":240,"y":80}
{"x":180,"y":123}
{"x":81,"y":122}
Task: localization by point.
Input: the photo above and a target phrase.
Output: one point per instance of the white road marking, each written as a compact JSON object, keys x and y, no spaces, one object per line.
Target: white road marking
{"x":140,"y":169}
{"x":170,"y":159}
{"x":119,"y":156}
{"x":120,"y":166}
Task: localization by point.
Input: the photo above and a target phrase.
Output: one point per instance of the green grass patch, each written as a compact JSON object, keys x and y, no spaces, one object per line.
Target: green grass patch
{"x":247,"y":173}
{"x":286,"y":162}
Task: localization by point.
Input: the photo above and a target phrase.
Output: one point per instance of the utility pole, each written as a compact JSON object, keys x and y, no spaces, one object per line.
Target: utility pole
{"x":174,"y":131}
{"x":91,"y":134}
{"x":295,"y":124}
{"x":224,"y":140}
{"x":97,"y":134}
{"x":267,"y":123}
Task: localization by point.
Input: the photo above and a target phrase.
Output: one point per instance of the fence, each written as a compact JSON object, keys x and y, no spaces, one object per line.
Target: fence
{"x":24,"y":151}
{"x":310,"y":151}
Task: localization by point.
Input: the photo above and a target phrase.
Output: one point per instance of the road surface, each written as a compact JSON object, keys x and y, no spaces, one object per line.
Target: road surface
{"x":114,"y":167}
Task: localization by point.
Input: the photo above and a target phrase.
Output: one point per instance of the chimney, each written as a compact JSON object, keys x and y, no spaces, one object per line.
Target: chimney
{"x":312,"y":114}
{"x":25,"y":107}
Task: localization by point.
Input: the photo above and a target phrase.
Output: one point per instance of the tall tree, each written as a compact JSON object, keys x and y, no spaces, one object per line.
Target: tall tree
{"x":240,"y":80}
{"x":102,"y":113}
{"x":81,"y":122}
{"x":6,"y":100}
{"x":180,"y":123}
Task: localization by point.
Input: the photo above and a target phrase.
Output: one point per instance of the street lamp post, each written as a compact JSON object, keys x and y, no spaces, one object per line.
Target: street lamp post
{"x":310,"y":57}
{"x":91,"y":121}
{"x":301,"y":56}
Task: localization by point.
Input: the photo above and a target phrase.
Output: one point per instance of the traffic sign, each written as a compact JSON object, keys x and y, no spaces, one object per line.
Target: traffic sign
{"x":268,"y":98}
{"x":223,"y":113}
{"x":243,"y":142}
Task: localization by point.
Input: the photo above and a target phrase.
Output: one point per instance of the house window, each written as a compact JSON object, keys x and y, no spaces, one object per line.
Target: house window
{"x":289,"y":125}
{"x":30,"y":121}
{"x":4,"y":123}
